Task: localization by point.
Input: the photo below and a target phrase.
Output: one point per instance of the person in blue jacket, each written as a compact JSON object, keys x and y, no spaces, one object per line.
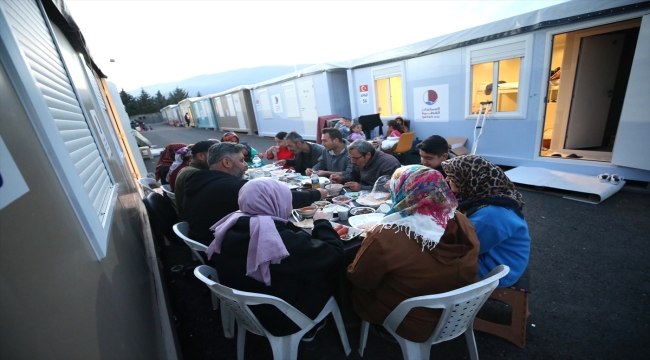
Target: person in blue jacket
{"x":490,"y":201}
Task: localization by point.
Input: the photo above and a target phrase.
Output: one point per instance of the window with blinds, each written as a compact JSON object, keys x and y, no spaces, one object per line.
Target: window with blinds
{"x":51,"y":77}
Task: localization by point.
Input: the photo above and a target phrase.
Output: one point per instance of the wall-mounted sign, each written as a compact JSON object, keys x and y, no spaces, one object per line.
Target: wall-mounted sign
{"x":258,"y":105}
{"x":431,"y":103}
{"x":363,"y":94}
{"x":276,"y":101}
{"x":12,"y":184}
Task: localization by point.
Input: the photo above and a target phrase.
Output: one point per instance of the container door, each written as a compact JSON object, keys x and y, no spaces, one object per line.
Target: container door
{"x":238,"y":110}
{"x":308,"y":109}
{"x":632,"y":148}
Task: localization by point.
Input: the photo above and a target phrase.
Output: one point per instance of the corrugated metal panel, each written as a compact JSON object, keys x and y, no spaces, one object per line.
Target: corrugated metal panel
{"x":45,"y":64}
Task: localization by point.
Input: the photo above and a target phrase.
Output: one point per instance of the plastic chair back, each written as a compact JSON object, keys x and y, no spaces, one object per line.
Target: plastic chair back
{"x":167,"y":189}
{"x":182,"y":229}
{"x":459,"y":308}
{"x":148,"y":185}
{"x":162,"y":215}
{"x":285,"y":347}
{"x":405,"y":143}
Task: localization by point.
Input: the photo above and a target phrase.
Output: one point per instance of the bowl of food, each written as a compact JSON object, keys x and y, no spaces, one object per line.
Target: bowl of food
{"x":321,"y":204}
{"x":373,"y":199}
{"x":365,"y":222}
{"x":307,"y":211}
{"x":333,"y":189}
{"x":341,"y":199}
{"x":361,"y":211}
{"x":291,"y":176}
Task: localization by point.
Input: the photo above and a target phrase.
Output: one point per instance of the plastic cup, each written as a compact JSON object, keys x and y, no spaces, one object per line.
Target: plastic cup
{"x":343,"y":211}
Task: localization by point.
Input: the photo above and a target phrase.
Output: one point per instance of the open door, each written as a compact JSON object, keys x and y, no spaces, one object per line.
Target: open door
{"x":593,"y":90}
{"x":632,"y":146}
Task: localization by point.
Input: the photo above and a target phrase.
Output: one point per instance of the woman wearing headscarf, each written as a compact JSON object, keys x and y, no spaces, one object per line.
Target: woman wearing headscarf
{"x":233,"y":138}
{"x":493,"y":205}
{"x":422,"y":246}
{"x":181,"y":161}
{"x":166,"y":160}
{"x":260,"y":251}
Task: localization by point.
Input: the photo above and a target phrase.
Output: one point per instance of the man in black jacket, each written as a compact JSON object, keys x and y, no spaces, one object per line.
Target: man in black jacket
{"x":211,"y":195}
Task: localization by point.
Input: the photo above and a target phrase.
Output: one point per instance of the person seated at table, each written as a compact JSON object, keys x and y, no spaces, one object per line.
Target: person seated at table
{"x":422,"y":246}
{"x":400,"y":120}
{"x":199,"y":162}
{"x":249,"y":153}
{"x":181,"y":161}
{"x":259,"y":251}
{"x":279,"y":151}
{"x":234,"y":138}
{"x":211,"y":195}
{"x":166,"y":159}
{"x":356,"y":133}
{"x":433,"y":151}
{"x":368,"y":166}
{"x":306,"y":154}
{"x":493,"y":205}
{"x":394,"y":130}
{"x":344,"y":126}
{"x":335,"y":159}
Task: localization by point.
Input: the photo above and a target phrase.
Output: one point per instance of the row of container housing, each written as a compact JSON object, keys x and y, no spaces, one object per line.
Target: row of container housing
{"x":570,"y":94}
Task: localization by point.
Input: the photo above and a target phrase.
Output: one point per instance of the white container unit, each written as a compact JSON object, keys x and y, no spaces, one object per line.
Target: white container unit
{"x":171,"y":114}
{"x":234,"y":110}
{"x":590,"y":118}
{"x":294,"y":101}
{"x":185,"y":107}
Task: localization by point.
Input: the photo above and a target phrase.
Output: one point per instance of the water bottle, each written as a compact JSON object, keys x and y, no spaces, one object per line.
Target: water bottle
{"x":257,"y":162}
{"x":315,"y":182}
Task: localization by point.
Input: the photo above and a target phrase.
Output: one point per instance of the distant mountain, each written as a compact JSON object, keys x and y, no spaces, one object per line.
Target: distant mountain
{"x":214,"y":83}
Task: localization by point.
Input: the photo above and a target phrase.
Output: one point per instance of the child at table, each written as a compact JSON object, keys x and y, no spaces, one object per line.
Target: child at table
{"x":357,"y":133}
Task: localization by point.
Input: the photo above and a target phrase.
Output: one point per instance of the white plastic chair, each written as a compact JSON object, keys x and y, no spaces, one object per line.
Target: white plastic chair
{"x":227,"y":319}
{"x":285,"y":347}
{"x":146,"y":185}
{"x":459,"y":308}
{"x":167,"y":189}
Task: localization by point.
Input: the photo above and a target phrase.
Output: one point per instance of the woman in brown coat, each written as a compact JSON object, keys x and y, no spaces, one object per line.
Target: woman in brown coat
{"x":422,"y":246}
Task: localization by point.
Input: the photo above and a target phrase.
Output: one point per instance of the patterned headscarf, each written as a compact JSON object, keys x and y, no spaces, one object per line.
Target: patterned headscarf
{"x":422,"y":204}
{"x":168,"y":156}
{"x":182,"y":155}
{"x":229,"y":136}
{"x":265,"y":246}
{"x":477,"y":178}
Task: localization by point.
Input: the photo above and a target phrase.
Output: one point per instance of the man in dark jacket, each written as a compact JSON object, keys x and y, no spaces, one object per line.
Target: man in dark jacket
{"x":369,"y":165}
{"x":306,"y":154}
{"x":211,"y":195}
{"x":199,"y":162}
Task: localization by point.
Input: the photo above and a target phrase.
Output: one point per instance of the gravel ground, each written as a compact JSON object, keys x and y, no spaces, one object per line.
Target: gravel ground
{"x":590,"y":285}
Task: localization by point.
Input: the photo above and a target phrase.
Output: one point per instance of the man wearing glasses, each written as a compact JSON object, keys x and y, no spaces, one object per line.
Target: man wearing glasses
{"x":369,"y":165}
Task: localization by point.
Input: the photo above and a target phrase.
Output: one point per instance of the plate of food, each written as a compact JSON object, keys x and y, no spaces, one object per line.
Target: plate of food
{"x":373,"y":199}
{"x":305,"y":224}
{"x":353,"y":194}
{"x":345,"y":232}
{"x":361,"y":211}
{"x":365,"y":222}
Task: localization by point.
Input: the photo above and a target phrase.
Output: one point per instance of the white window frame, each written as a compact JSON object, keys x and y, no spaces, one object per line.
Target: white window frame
{"x":265,"y":103}
{"x":524,"y":77}
{"x":292,"y":107}
{"x":378,"y":73}
{"x":97,"y":229}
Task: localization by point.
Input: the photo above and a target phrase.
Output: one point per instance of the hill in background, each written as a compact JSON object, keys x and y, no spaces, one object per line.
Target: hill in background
{"x":214,"y":83}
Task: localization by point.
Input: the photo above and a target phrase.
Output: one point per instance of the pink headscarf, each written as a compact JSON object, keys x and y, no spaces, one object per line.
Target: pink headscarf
{"x":263,"y":200}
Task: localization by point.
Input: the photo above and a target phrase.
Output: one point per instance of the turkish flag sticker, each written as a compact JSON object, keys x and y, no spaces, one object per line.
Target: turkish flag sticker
{"x":363,"y":88}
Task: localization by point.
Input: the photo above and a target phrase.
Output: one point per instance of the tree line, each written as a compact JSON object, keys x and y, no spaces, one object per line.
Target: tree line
{"x":147,"y":104}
